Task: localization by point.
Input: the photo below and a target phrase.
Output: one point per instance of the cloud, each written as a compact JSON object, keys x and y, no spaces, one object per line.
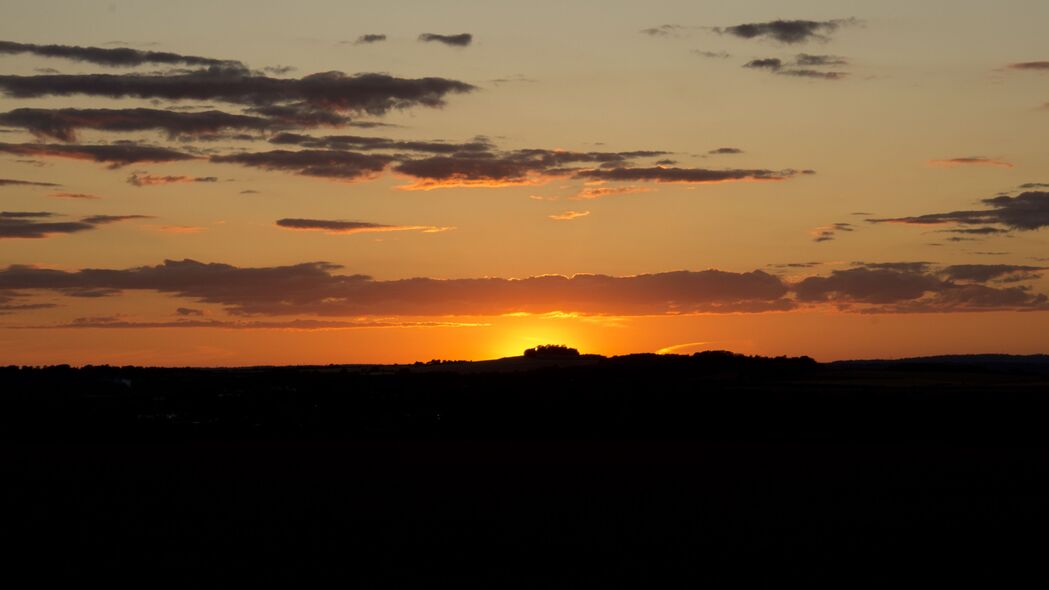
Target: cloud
{"x":189,"y":311}
{"x":315,"y":94}
{"x":1026,"y":211}
{"x":598,"y":192}
{"x":74,"y":196}
{"x":104,"y":219}
{"x":787,"y":31}
{"x":915,"y":287}
{"x":313,"y":289}
{"x":688,"y":175}
{"x":568,"y":215}
{"x":662,"y":30}
{"x":116,"y":57}
{"x":1031,"y":65}
{"x":803,"y":73}
{"x":359,"y":143}
{"x":460,"y":40}
{"x":1030,"y":185}
{"x":137,"y":179}
{"x":321,"y":163}
{"x":712,"y":54}
{"x":982,"y":273}
{"x":62,"y":124}
{"x":178,"y":229}
{"x":970,"y":161}
{"x":370,"y":38}
{"x":517,"y":167}
{"x":12,"y":182}
{"x":336,"y":226}
{"x":115,"y":155}
{"x":39,"y":224}
{"x":771,"y":63}
{"x":116,"y":323}
{"x":806,"y":59}
{"x":826,"y":233}
{"x":725,"y":150}
{"x":777,"y":66}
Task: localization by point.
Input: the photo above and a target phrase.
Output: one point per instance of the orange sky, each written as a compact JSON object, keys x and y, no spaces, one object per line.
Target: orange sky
{"x":831,"y":180}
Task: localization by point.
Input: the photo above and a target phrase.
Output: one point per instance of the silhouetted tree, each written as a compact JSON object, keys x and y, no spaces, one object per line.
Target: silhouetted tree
{"x":551,"y":351}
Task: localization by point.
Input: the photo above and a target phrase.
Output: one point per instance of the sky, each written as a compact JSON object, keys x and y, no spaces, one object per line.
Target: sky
{"x":241,"y":183}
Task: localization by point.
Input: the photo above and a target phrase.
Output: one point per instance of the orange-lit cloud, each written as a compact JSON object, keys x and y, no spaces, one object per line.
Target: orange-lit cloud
{"x":597,"y":192}
{"x":568,"y":215}
{"x":137,"y":179}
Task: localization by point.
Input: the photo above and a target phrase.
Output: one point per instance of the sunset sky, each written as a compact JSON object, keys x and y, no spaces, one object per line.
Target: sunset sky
{"x":245,"y":182}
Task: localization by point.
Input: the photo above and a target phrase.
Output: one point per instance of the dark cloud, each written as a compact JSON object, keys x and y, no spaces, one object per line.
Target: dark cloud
{"x":279,"y":70}
{"x":1026,"y":211}
{"x":976,"y":231}
{"x":138,"y":179}
{"x":712,"y":54}
{"x":115,"y":322}
{"x":104,"y":219}
{"x":776,"y":65}
{"x":370,"y":38}
{"x":115,"y":155}
{"x":313,"y":289}
{"x":189,"y":311}
{"x":355,"y":142}
{"x":1031,"y":185}
{"x":725,"y":150}
{"x":317,"y":93}
{"x":1031,"y":65}
{"x":62,"y":124}
{"x":915,"y":287}
{"x":513,"y":167}
{"x":661,"y":30}
{"x":322,"y":163}
{"x":12,"y":182}
{"x":116,"y":57}
{"x":982,"y":273}
{"x":688,"y":175}
{"x":39,"y":224}
{"x":803,"y":73}
{"x":249,"y":192}
{"x":787,"y":31}
{"x":771,"y":63}
{"x":806,"y":59}
{"x":827,"y":233}
{"x":460,"y":40}
{"x":74,"y":196}
{"x":971,"y":161}
{"x":338,"y":226}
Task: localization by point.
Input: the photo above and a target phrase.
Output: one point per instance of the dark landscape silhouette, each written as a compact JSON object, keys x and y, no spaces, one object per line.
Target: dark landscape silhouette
{"x":551,"y":469}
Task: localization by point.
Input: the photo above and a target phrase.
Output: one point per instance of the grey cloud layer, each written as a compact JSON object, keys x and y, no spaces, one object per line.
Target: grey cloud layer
{"x":62,"y":124}
{"x":114,"y":57}
{"x":315,"y":289}
{"x":328,"y":91}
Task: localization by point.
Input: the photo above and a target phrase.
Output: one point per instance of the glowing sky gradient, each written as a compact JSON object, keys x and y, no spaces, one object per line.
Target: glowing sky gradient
{"x":231,"y":183}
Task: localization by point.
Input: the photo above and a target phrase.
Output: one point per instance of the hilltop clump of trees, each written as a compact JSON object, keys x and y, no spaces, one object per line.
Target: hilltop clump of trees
{"x":551,"y":351}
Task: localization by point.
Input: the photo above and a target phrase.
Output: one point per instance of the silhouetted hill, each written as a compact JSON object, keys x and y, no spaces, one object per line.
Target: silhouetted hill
{"x":640,"y":470}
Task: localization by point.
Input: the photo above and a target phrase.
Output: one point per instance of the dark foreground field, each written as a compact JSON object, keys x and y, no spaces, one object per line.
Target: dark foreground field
{"x":641,"y":471}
